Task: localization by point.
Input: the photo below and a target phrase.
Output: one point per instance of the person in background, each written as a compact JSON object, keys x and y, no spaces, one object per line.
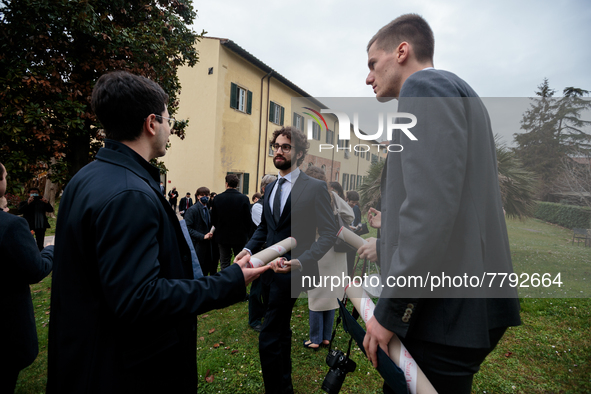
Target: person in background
{"x":230,"y":214}
{"x":173,"y":196}
{"x":22,"y":265}
{"x":34,"y":210}
{"x":255,"y":198}
{"x":336,"y":187}
{"x":322,"y":301}
{"x":162,"y":188}
{"x":185,"y":203}
{"x":353,"y":201}
{"x":198,"y":220}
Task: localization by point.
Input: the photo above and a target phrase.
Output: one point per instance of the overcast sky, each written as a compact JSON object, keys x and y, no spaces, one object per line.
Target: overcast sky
{"x":501,"y":48}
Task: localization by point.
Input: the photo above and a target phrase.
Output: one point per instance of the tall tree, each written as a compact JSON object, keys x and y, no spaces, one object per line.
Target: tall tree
{"x":552,"y":128}
{"x":51,"y":54}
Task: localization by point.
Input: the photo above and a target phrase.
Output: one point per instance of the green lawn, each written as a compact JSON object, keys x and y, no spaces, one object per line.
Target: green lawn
{"x":549,"y":353}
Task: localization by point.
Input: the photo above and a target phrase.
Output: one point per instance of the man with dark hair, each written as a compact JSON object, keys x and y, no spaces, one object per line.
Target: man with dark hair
{"x":22,"y":264}
{"x":185,"y":203}
{"x":124,"y":301}
{"x":298,"y":206}
{"x":441,"y":212}
{"x":230,"y":213}
{"x":34,"y":210}
{"x":173,"y":196}
{"x":199,"y":225}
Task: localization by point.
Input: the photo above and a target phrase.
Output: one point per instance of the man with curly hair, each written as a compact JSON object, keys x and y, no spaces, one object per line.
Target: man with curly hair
{"x":298,"y":206}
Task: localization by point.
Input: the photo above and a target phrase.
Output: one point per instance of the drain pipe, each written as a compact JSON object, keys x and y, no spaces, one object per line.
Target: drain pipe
{"x":256,"y":184}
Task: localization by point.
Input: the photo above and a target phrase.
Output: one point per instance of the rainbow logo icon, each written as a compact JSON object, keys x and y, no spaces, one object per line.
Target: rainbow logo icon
{"x":315,"y":118}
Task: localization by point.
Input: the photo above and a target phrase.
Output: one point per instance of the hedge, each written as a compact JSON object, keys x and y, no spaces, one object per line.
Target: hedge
{"x":569,"y":216}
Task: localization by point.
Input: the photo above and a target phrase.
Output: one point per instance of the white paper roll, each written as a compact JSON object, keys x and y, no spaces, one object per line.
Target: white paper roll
{"x":416,"y":380}
{"x":271,"y":253}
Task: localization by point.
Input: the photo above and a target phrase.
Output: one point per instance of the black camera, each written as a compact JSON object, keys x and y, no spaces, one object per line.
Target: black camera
{"x":340,"y":365}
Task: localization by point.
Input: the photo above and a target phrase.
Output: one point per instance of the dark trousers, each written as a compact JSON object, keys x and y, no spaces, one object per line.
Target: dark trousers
{"x":8,"y":378}
{"x":226,"y":253}
{"x":450,"y":369}
{"x":173,"y":205}
{"x":275,"y":337}
{"x":40,"y":238}
{"x":257,"y":302}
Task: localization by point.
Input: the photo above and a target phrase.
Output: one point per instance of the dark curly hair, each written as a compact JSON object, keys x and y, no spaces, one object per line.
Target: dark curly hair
{"x":298,"y":140}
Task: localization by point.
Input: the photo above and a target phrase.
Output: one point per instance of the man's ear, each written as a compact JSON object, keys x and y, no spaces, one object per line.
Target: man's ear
{"x":150,"y":125}
{"x":402,"y":52}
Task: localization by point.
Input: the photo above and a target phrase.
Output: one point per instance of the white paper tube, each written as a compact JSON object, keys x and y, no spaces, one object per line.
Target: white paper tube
{"x":265,"y":256}
{"x":351,"y":238}
{"x":416,"y":380}
{"x":212,"y":229}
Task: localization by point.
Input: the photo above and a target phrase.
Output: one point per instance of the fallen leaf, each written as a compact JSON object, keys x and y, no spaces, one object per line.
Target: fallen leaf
{"x":211,"y":330}
{"x":298,"y":315}
{"x":222,"y":343}
{"x":216,"y":345}
{"x":201,"y":338}
{"x":208,"y":378}
{"x":234,"y":351}
{"x":47,"y":313}
{"x":204,"y":316}
{"x":508,"y":354}
{"x":227,"y":347}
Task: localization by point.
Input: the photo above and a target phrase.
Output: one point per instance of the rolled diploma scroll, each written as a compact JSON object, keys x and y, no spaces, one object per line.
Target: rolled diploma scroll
{"x":212,"y":229}
{"x":351,"y":238}
{"x":265,"y":256}
{"x":416,"y":380}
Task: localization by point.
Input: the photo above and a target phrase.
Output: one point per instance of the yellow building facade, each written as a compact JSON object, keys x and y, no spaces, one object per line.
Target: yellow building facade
{"x":234,"y":102}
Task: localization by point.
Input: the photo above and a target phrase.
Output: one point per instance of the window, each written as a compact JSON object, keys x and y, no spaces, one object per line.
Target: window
{"x":336,"y":177}
{"x":345,"y":182}
{"x":240,"y":99}
{"x":271,"y":151}
{"x":329,"y":136}
{"x":359,"y":181}
{"x":374,"y":159}
{"x":276,"y":113}
{"x":316,"y":131}
{"x":298,"y":122}
{"x":362,"y":154}
{"x":367,"y":156}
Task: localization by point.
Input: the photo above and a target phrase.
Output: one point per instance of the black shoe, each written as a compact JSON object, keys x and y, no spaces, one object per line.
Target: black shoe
{"x":257,"y":328}
{"x":246,"y":297}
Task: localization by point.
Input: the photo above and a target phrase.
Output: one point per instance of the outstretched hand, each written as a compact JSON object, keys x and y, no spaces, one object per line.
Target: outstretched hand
{"x":250,"y":274}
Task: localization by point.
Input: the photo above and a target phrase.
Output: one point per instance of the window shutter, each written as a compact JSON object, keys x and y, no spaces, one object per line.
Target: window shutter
{"x":245,"y":179}
{"x":271,"y":111}
{"x":249,"y":102}
{"x":282,"y":113}
{"x":233,"y":98}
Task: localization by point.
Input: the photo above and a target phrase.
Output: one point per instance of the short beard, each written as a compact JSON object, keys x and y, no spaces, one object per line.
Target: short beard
{"x":283,"y":166}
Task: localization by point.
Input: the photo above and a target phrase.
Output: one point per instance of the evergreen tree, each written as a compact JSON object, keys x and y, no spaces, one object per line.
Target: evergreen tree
{"x":552,"y":129}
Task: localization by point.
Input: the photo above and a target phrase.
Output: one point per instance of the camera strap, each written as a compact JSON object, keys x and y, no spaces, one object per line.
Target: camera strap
{"x":355,"y":315}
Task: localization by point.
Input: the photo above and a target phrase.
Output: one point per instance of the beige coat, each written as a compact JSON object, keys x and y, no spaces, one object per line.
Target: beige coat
{"x":332,"y":264}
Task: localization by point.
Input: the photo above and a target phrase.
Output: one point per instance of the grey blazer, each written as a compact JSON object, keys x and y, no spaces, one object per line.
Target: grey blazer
{"x":442,"y":212}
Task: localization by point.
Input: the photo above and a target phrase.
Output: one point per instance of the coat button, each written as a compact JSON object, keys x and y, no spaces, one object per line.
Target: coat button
{"x":410,"y":306}
{"x":408,"y":311}
{"x":405,"y":318}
